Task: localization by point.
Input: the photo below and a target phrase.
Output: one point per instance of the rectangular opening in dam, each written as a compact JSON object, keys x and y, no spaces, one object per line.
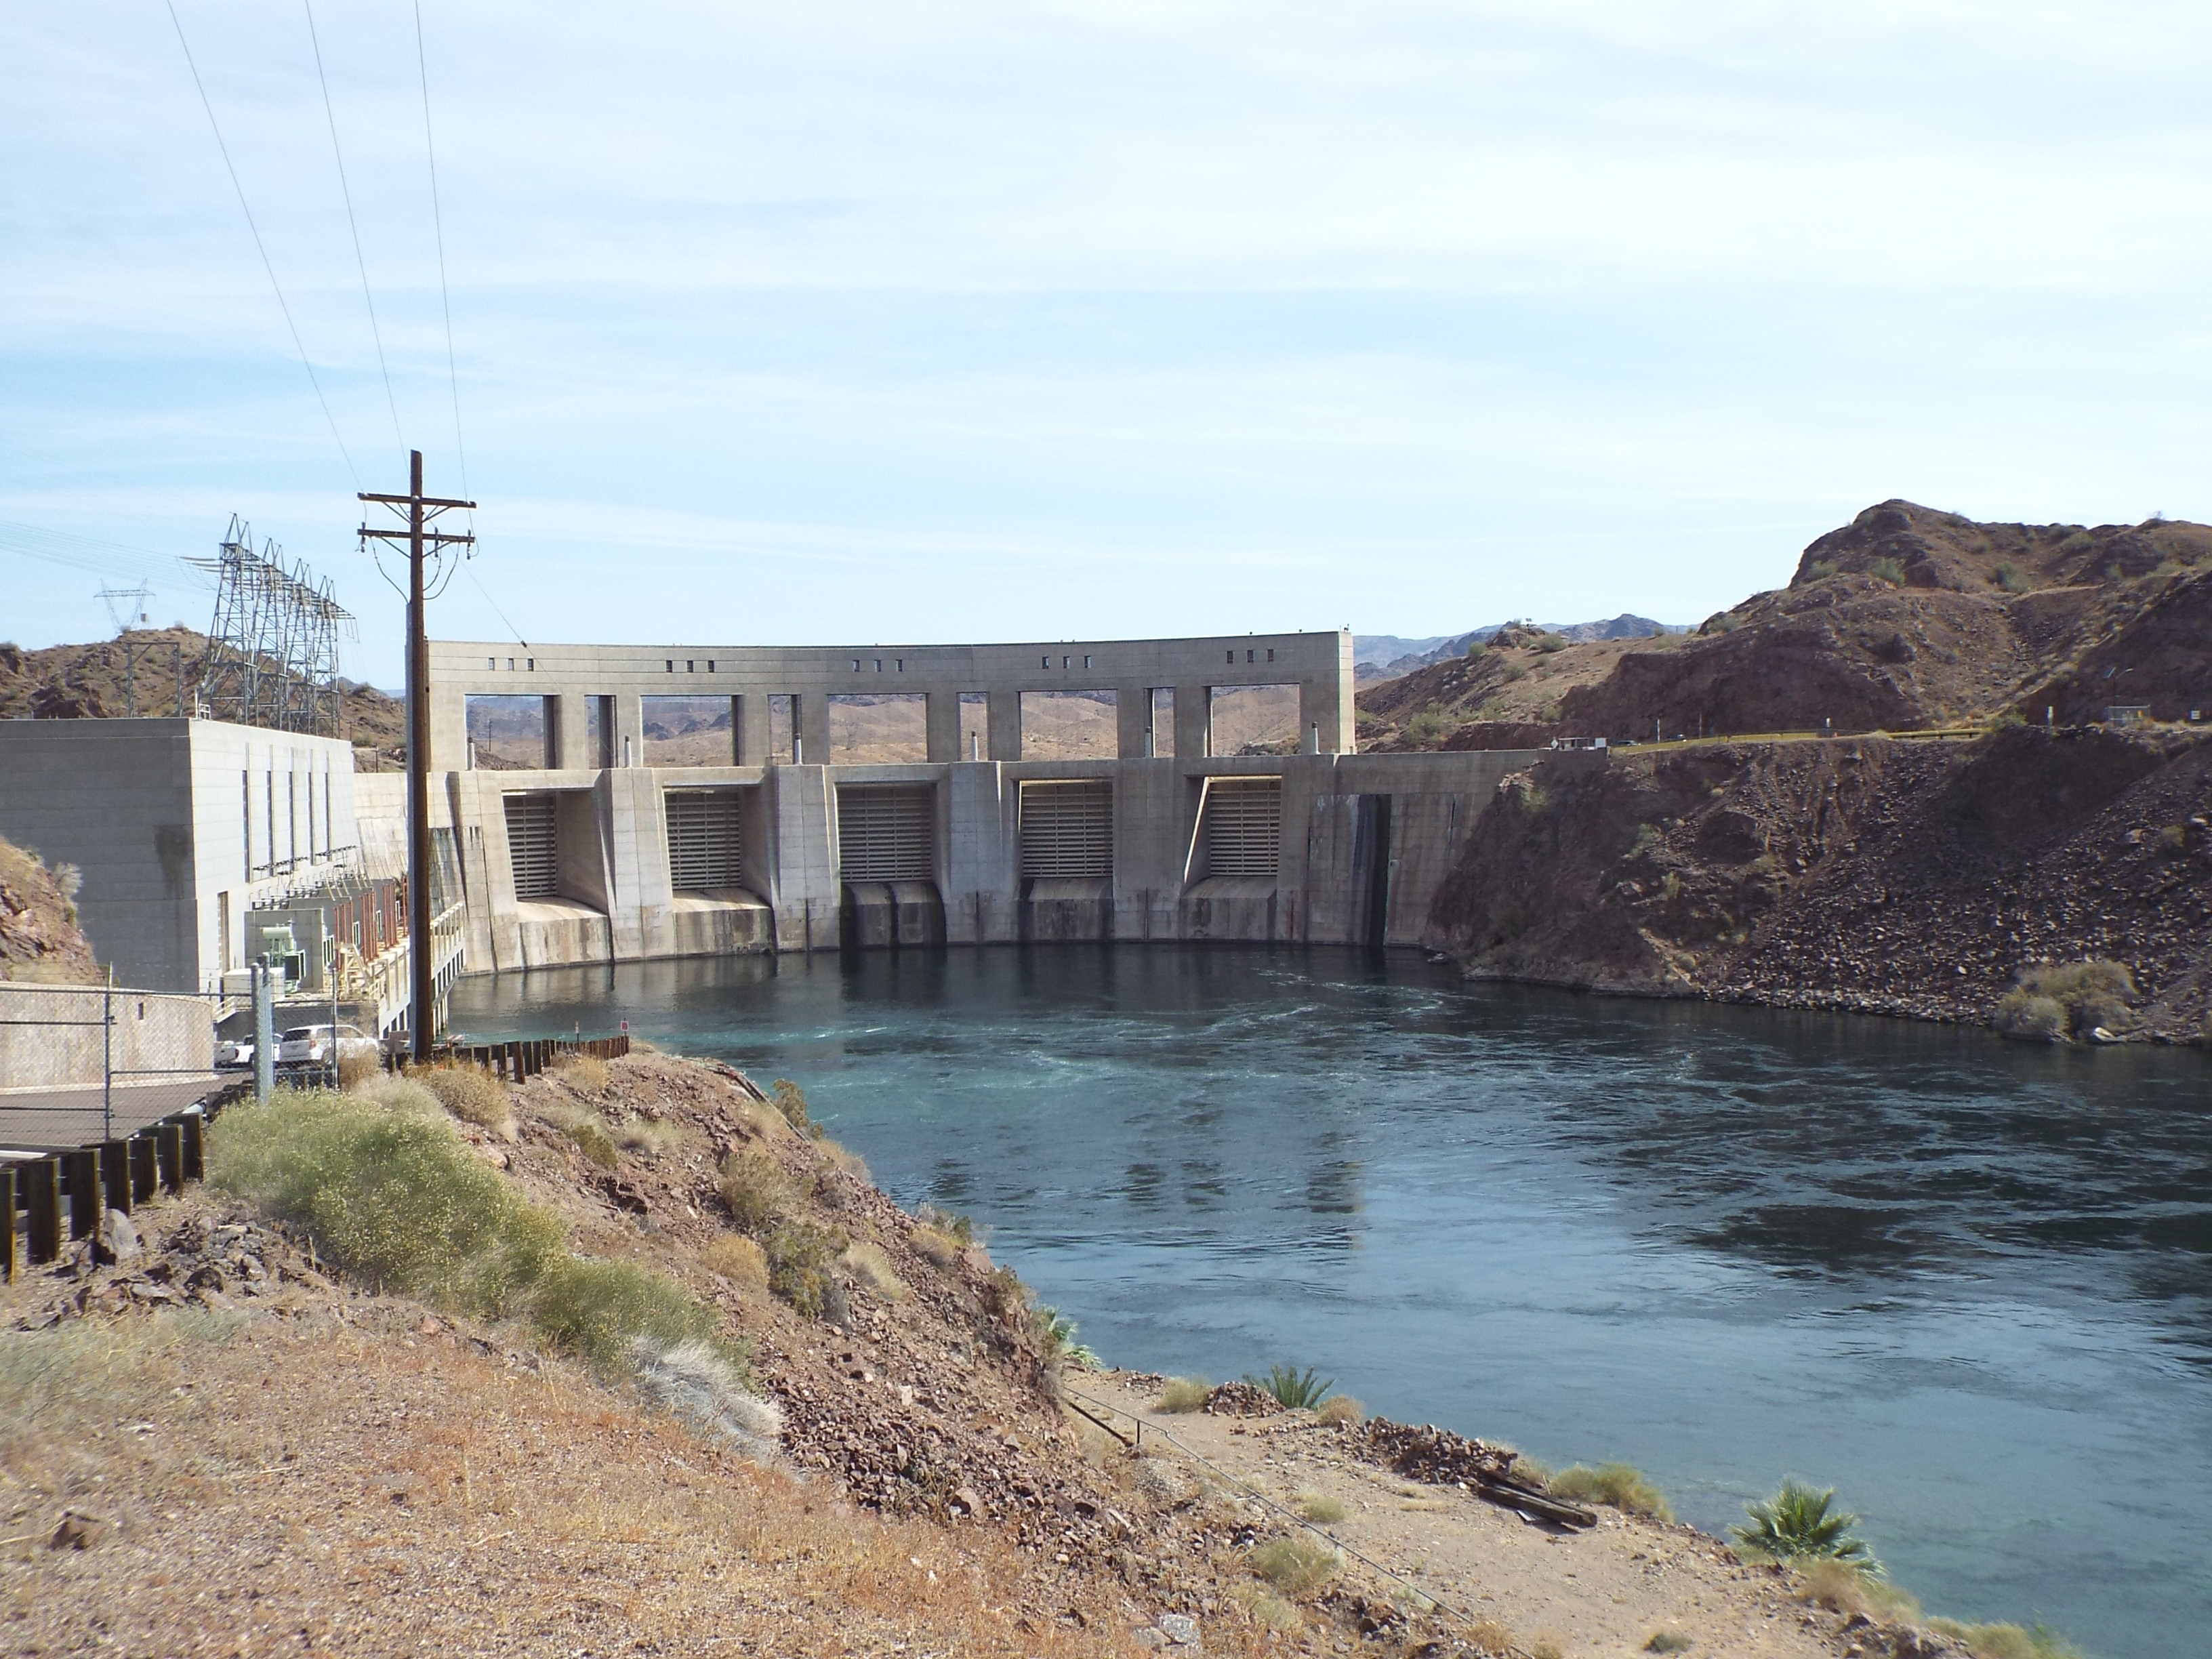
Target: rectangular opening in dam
{"x":1162,"y":711}
{"x":782,"y":729}
{"x":694,"y":731}
{"x":706,"y":845}
{"x":1240,"y":830}
{"x":510,"y":734}
{"x":599,"y":732}
{"x":1067,"y":828}
{"x":1069,"y":726}
{"x":886,"y":831}
{"x":974,"y":726}
{"x":533,"y":845}
{"x":1255,"y":719}
{"x":881,"y":729}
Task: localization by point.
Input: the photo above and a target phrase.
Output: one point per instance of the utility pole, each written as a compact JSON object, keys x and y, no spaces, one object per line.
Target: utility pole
{"x":421,"y":509}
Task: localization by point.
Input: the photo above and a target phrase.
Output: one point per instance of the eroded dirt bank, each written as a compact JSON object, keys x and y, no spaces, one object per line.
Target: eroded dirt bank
{"x":1879,"y":875}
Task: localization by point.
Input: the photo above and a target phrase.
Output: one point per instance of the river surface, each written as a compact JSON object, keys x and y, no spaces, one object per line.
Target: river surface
{"x":1966,"y":1282}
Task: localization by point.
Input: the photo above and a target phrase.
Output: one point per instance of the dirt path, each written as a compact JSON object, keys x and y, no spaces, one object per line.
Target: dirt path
{"x":1607,"y":1591}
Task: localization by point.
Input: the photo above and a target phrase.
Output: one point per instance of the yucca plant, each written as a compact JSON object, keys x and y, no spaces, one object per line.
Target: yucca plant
{"x":1799,"y":1523}
{"x":1294,"y":1390}
{"x":1056,"y":1335}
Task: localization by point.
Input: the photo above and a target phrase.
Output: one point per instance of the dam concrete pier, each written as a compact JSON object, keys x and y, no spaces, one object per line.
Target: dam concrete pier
{"x":615,"y":803}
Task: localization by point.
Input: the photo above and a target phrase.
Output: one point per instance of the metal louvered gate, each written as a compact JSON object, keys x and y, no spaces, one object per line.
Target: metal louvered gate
{"x":1067,"y":828}
{"x":1243,"y":826}
{"x":533,"y":845}
{"x":706,"y":847}
{"x":886,"y":832}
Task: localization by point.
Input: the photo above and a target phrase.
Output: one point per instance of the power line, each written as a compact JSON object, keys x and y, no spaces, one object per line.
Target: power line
{"x":346,"y":190}
{"x":277,"y":287}
{"x":445,"y":295}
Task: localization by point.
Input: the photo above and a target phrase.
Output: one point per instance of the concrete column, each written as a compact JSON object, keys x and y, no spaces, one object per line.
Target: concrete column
{"x":449,"y":730}
{"x":571,"y":721}
{"x":1194,"y":717}
{"x":943,"y":722}
{"x":1133,"y":711}
{"x":813,"y":712}
{"x":748,"y":713}
{"x":1005,"y":717}
{"x":630,"y":729}
{"x":1319,"y":706}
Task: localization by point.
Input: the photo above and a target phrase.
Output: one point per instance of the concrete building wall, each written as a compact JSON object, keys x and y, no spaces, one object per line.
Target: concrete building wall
{"x":181,"y":826}
{"x":1319,"y":665}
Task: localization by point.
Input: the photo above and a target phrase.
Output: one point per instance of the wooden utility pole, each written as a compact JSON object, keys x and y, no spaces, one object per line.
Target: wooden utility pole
{"x":421,"y":952}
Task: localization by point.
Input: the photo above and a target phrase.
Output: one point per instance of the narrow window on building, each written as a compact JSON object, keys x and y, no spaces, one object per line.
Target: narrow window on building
{"x":1045,"y":663}
{"x":856,"y":665}
{"x":1270,"y":654}
{"x":671,"y":665}
{"x":689,"y":667}
{"x":901,"y":664}
{"x":246,"y":818}
{"x":1063,"y":662}
{"x":311,"y":816}
{"x":1232,"y":656}
{"x":292,"y":819}
{"x":1086,"y":660}
{"x":329,"y":838}
{"x":491,"y":663}
{"x":1249,"y":657}
{"x":530,"y":663}
{"x":510,"y":665}
{"x":710,"y":664}
{"x":268,"y":781}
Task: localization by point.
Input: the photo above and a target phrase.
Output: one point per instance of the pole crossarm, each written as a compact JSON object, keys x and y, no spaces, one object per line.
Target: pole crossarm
{"x":409,"y":501}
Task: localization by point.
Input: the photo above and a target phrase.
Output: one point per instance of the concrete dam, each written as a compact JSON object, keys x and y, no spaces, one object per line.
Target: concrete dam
{"x":614,"y":803}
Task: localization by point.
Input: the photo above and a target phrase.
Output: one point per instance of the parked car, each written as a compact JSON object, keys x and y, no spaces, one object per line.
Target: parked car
{"x":310,"y":1045}
{"x":233,"y":1054}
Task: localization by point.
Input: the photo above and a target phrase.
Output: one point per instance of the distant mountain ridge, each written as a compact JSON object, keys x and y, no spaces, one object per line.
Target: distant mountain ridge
{"x":1387,"y":657}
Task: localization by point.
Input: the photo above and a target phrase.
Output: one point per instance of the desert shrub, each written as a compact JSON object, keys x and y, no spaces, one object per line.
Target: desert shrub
{"x":1820,"y":570}
{"x":2080,"y":542}
{"x":1671,"y":885}
{"x":583,"y":1073}
{"x":397,"y":1199}
{"x":1514,"y":671}
{"x":1293,"y":1389}
{"x":469,"y":1093}
{"x":1888,"y":570}
{"x":1340,"y":1409}
{"x":2006,"y":1641}
{"x":1319,"y":1507}
{"x":1842,"y":1588}
{"x":868,"y":1264}
{"x":2174,"y":837}
{"x":2008,"y":577}
{"x":788,"y":1099}
{"x":1616,"y":1484}
{"x":652,"y":1136}
{"x":1667,"y":1641}
{"x":1533,"y":1470}
{"x":954,"y":1225}
{"x":596,"y":1308}
{"x":1720,"y":622}
{"x":2022,"y":1015}
{"x":756,"y":1190}
{"x":845,"y":1159}
{"x":1183,"y":1393}
{"x":1534,"y":800}
{"x":398,"y":1094}
{"x":1548,"y":643}
{"x":1798,"y":1523}
{"x":941,"y":1249}
{"x":1277,"y":1614}
{"x":356,"y":1069}
{"x":798,"y":1257}
{"x":1057,"y":1337}
{"x":699,"y":1384}
{"x":1297,"y":1566}
{"x":2085,"y":994}
{"x":737,"y":1259}
{"x":1476,"y":647}
{"x":593,"y":1141}
{"x":1429,"y":723}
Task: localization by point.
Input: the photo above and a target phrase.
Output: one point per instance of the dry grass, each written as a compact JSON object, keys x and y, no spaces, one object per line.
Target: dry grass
{"x":1298,"y":1565}
{"x":268,"y":1494}
{"x":1841,"y":1588}
{"x":469,"y":1093}
{"x":650,"y":1137}
{"x":586,"y":1075}
{"x":1183,"y":1393}
{"x":357,"y":1069}
{"x":868,"y":1264}
{"x":1617,"y":1483}
{"x":737,"y":1259}
{"x":1319,"y":1507}
{"x":844,"y":1159}
{"x":1340,"y":1410}
{"x":397,"y":1094}
{"x":939,"y":1248}
{"x":757,"y":1191}
{"x":2006,"y":1641}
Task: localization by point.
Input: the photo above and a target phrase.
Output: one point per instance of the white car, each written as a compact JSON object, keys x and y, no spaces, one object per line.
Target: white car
{"x":233,"y":1054}
{"x":310,"y":1045}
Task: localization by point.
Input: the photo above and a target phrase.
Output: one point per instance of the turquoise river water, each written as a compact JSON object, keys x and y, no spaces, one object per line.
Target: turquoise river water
{"x":1967,"y":1283}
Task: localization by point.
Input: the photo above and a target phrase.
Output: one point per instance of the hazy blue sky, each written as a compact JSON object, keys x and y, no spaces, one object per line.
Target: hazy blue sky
{"x":935,"y":320}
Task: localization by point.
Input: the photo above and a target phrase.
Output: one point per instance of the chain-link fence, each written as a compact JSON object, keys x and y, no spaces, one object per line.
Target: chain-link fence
{"x":84,"y":1064}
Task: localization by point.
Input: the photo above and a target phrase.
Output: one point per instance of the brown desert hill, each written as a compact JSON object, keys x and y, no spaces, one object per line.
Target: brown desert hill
{"x":149,"y":670}
{"x":1905,"y":619}
{"x":39,"y":940}
{"x":1923,"y":878}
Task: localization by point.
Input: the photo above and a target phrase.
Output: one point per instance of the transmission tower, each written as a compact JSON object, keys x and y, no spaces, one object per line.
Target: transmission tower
{"x":272,"y":655}
{"x":126,"y":606}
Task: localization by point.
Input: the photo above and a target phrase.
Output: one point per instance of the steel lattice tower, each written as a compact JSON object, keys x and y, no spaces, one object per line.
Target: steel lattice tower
{"x":272,"y":657}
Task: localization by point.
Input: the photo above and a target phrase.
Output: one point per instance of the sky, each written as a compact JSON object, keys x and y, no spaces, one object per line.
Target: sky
{"x":938,"y":320}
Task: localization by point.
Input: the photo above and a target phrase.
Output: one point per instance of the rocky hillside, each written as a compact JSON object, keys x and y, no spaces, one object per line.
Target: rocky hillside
{"x":1923,"y":878}
{"x":40,"y":941}
{"x":1905,"y":619}
{"x":148,"y":671}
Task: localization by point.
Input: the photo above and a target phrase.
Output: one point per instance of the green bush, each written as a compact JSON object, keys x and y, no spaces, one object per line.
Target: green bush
{"x":2022,"y":1015}
{"x":756,"y":1190}
{"x":1888,"y":570}
{"x":1293,"y":1389}
{"x":2054,"y":999}
{"x":1820,"y":570}
{"x":1617,"y":1483}
{"x":469,"y":1093}
{"x":788,"y":1099}
{"x":1667,"y":1641}
{"x":798,"y":1257}
{"x":592,"y":1140}
{"x":2008,"y":577}
{"x":1548,"y":643}
{"x":397,"y":1199}
{"x":1798,"y":1523}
